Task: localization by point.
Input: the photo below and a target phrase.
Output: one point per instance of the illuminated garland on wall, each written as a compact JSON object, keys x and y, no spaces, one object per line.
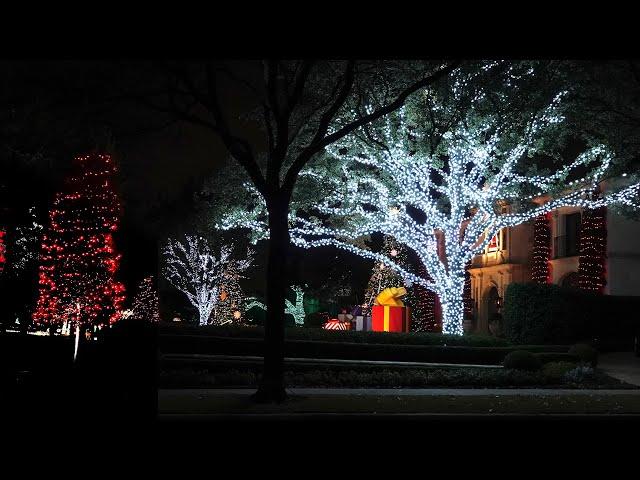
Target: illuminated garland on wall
{"x":78,"y":260}
{"x":593,"y":250}
{"x":3,"y":250}
{"x":541,"y":249}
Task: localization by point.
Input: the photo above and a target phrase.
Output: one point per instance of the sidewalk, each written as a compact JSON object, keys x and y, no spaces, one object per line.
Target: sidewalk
{"x":624,"y":366}
{"x":306,"y":401}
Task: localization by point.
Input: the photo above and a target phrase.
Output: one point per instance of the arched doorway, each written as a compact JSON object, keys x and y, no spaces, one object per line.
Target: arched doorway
{"x":492,"y":306}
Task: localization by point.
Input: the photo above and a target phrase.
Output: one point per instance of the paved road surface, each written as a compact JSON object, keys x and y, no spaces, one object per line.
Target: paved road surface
{"x":624,"y":366}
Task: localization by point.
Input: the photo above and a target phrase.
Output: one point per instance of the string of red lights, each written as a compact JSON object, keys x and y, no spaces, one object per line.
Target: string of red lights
{"x":78,"y":260}
{"x":593,"y":250}
{"x":541,"y":250}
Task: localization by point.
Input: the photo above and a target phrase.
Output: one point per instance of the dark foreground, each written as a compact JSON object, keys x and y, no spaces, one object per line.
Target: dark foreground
{"x":111,"y":380}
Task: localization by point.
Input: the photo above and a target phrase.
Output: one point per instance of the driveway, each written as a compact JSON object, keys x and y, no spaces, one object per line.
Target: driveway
{"x":624,"y":366}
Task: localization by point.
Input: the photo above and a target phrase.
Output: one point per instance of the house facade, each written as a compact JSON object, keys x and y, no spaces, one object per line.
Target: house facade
{"x":509,"y":258}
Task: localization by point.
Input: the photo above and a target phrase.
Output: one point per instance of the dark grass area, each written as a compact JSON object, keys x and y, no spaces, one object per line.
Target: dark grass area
{"x":114,"y":378}
{"x":181,"y":402}
{"x":551,"y":376}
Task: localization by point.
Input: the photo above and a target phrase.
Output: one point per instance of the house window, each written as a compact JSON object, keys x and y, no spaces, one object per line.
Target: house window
{"x":567,"y":241}
{"x":573,"y":234}
{"x":497,"y":242}
{"x":493,"y":243}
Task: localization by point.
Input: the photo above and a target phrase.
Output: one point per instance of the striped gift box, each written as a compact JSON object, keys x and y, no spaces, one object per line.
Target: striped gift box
{"x":335,"y":325}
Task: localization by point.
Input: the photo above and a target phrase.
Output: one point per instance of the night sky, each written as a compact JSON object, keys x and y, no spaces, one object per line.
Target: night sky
{"x":162,"y":163}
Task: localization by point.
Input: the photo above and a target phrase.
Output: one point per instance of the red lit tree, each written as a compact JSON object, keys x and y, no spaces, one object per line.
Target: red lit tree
{"x":3,"y":259}
{"x":78,"y":261}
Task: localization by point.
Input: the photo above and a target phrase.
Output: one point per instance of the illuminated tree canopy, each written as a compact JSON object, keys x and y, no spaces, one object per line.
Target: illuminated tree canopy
{"x":444,"y":203}
{"x":194,"y":269}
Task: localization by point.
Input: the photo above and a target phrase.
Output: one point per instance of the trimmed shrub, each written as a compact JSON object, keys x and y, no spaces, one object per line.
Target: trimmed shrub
{"x":536,"y":314}
{"x":522,"y":360}
{"x":585,"y":353}
{"x":561,"y":374}
{"x":550,"y":357}
{"x":541,"y":314}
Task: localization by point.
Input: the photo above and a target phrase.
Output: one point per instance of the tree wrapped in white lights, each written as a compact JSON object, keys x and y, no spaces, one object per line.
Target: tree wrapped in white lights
{"x":459,"y":196}
{"x":444,"y":204}
{"x":195,"y":270}
{"x":296,"y":310}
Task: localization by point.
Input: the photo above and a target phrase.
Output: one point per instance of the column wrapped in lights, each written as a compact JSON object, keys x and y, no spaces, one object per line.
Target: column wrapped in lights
{"x":459,"y":195}
{"x":468,"y":299}
{"x":79,"y":260}
{"x":593,"y":250}
{"x":541,"y":249}
{"x":3,"y":249}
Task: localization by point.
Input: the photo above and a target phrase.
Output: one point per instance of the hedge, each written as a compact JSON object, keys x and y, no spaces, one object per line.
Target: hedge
{"x":414,"y":338}
{"x":200,"y":344}
{"x":549,"y":314}
{"x":552,"y":375}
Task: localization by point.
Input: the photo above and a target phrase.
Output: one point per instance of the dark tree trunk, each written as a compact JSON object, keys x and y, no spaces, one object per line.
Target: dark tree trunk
{"x":271,"y":388}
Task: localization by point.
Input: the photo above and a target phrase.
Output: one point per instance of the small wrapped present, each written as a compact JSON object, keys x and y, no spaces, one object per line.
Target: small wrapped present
{"x":335,"y":324}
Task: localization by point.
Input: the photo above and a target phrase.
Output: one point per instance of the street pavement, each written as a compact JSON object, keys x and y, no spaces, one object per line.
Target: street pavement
{"x":624,"y":366}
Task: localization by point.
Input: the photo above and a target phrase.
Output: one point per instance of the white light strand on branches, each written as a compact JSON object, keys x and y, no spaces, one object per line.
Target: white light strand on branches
{"x":195,"y":270}
{"x":27,"y":243}
{"x":460,"y":197}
